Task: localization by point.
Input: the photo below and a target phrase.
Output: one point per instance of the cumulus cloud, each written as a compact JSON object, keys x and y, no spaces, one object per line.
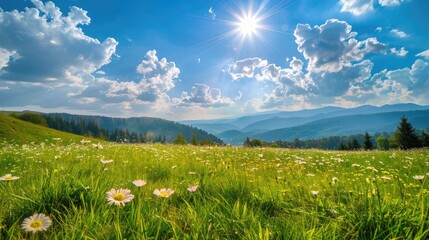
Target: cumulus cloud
{"x":419,"y":76}
{"x":424,"y":54}
{"x":246,"y":67}
{"x":379,"y":29}
{"x":203,"y":95}
{"x":335,"y":65}
{"x":60,"y":53}
{"x":357,"y":7}
{"x":331,"y":84}
{"x":399,"y":52}
{"x":331,"y":46}
{"x":158,"y":76}
{"x":408,"y":84}
{"x":399,"y":33}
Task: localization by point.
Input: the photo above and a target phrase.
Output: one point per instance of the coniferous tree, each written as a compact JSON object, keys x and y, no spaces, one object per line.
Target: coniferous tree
{"x":382,"y":143}
{"x":367,"y":144}
{"x":247,"y":142}
{"x":180,"y":139}
{"x":406,"y":136}
{"x":194,"y":139}
{"x":425,"y":139}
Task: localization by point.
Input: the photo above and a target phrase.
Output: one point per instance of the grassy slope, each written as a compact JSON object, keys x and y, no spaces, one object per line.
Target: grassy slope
{"x":13,"y":129}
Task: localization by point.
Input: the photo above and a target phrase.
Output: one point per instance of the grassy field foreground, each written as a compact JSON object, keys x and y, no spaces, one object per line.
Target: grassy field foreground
{"x":242,"y":193}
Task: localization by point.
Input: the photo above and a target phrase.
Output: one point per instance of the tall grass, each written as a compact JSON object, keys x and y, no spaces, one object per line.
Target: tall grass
{"x":242,"y":194}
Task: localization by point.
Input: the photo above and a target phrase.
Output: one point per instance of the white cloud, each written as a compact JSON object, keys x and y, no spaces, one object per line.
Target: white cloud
{"x":212,"y":13}
{"x":357,"y":7}
{"x":332,"y":84}
{"x":398,"y":33}
{"x":60,"y":53}
{"x":331,"y":46}
{"x":420,"y":78}
{"x":6,"y":56}
{"x":360,"y":7}
{"x":395,"y":86}
{"x":158,"y":76}
{"x":424,"y":54}
{"x":399,"y":52}
{"x":246,"y":67}
{"x":203,"y":95}
{"x":390,"y":3}
{"x":379,"y":29}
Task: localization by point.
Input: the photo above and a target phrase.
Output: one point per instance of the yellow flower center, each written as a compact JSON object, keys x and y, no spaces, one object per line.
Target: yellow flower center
{"x":164,"y":194}
{"x":119,"y":197}
{"x":8,"y":177}
{"x":36,"y":224}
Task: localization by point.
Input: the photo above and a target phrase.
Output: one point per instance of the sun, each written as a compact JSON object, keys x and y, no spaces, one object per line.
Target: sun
{"x":248,"y":25}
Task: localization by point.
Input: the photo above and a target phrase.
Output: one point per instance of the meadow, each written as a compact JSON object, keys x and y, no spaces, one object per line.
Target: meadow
{"x":242,"y":193}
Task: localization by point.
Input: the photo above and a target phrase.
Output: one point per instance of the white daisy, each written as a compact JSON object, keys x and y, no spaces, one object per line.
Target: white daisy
{"x":419,"y":177}
{"x":37,"y":222}
{"x":139,"y":183}
{"x":119,"y":197}
{"x":165,"y":193}
{"x":8,"y":177}
{"x":192,"y":188}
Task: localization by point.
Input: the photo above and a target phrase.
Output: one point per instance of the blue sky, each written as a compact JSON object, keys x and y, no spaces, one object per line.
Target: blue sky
{"x":200,"y":59}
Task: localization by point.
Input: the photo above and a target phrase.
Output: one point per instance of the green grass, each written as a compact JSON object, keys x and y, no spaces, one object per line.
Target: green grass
{"x":18,"y":131}
{"x":243,"y":193}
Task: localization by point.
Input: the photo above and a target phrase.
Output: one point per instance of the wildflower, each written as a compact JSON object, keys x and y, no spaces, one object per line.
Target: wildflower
{"x":310,"y":175}
{"x":139,"y":183}
{"x":165,"y":193}
{"x":106,"y":161}
{"x":119,"y":197}
{"x":315,"y":192}
{"x":334,"y":180}
{"x":355,"y":165}
{"x":419,"y":177}
{"x":8,"y":177}
{"x":35,"y":223}
{"x":192,"y":188}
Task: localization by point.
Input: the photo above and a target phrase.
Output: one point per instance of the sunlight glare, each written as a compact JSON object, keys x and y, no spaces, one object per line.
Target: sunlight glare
{"x":248,"y":25}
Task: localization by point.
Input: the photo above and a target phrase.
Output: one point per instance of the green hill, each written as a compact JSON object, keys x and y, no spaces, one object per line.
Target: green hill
{"x":15,"y":130}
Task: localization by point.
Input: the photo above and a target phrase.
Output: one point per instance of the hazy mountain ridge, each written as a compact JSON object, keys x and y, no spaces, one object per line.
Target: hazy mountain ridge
{"x":269,"y":126}
{"x":345,"y":125}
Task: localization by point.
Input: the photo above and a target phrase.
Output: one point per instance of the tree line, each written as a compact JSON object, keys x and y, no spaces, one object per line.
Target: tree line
{"x":405,"y":137}
{"x":90,"y":128}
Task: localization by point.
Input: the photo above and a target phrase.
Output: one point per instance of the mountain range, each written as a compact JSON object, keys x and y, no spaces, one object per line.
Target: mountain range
{"x":155,"y":127}
{"x":314,"y":123}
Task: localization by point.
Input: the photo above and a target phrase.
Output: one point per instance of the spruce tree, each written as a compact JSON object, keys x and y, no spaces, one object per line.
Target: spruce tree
{"x":406,"y":136}
{"x":425,"y":139}
{"x":194,"y":139}
{"x":180,"y":139}
{"x":367,"y":144}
